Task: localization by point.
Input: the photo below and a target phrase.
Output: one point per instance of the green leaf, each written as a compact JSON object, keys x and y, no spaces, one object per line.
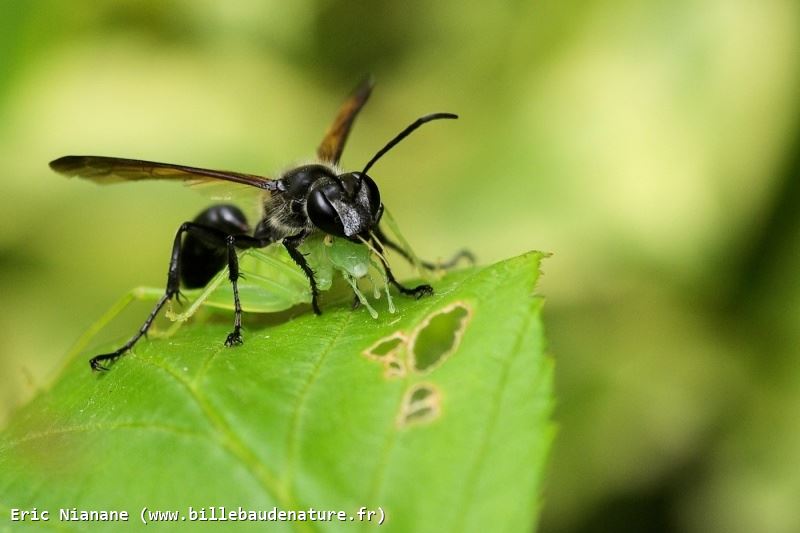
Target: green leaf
{"x":437,"y":414}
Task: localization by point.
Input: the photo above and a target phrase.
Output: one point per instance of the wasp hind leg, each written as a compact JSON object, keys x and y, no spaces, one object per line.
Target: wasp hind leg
{"x":96,"y":361}
{"x":172,"y":290}
{"x":211,"y":240}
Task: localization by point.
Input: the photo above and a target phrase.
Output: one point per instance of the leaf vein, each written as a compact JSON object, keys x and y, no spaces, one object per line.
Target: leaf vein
{"x":480,"y":458}
{"x":294,"y":424}
{"x":99,"y":427}
{"x":206,"y":364}
{"x":233,"y":444}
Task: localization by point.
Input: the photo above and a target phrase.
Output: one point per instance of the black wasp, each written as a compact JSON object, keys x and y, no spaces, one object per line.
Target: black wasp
{"x":316,"y":197}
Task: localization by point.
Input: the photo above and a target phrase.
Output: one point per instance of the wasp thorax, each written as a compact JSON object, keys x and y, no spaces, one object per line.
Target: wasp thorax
{"x":346,"y":205}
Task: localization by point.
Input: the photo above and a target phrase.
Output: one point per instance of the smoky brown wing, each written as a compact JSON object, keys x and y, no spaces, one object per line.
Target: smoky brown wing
{"x":106,"y":170}
{"x":330,"y":150}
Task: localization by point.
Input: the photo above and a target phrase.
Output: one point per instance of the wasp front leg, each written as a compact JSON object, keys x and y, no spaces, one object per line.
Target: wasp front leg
{"x":417,"y":292}
{"x":291,"y":244}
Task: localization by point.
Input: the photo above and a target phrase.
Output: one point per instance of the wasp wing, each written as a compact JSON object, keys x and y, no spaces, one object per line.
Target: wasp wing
{"x":330,"y":150}
{"x":105,"y":170}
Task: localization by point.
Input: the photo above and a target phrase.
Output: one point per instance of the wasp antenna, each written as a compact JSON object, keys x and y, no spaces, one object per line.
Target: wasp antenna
{"x":405,"y":133}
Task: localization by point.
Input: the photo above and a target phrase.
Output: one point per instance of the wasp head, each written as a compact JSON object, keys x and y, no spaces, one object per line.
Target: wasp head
{"x":347,"y":205}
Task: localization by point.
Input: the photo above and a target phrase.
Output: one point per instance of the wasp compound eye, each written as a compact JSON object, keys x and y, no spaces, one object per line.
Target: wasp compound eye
{"x":351,"y":184}
{"x":323,"y":215}
{"x":373,"y":196}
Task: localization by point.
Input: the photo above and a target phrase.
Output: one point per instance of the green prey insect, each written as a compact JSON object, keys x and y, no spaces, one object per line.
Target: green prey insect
{"x":326,"y":220}
{"x":271,"y":282}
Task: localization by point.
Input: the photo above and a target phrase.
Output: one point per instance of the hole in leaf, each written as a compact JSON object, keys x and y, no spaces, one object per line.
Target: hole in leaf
{"x":419,"y":394}
{"x":438,"y":336}
{"x":421,"y":403}
{"x":390,"y":352}
{"x":386,"y":346}
{"x":393,"y":368}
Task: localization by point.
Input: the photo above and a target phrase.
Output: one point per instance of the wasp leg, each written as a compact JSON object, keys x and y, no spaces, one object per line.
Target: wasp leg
{"x":173,"y":286}
{"x":453,"y":261}
{"x":291,"y":244}
{"x":211,"y":236}
{"x":235,"y":337}
{"x":95,"y":362}
{"x":216,"y":237}
{"x":417,"y":292}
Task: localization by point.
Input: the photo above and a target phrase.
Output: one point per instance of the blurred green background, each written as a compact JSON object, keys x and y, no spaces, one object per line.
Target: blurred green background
{"x":653,"y":147}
